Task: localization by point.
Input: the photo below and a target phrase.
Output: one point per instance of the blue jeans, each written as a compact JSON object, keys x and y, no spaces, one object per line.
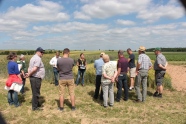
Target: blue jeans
{"x":122,"y":83}
{"x":55,"y":76}
{"x":23,"y":88}
{"x":82,"y":74}
{"x":13,"y":98}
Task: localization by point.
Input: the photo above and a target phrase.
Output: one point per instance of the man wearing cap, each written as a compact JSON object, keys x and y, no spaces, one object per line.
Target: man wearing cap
{"x":122,"y":68}
{"x":132,"y":67}
{"x":98,"y":66}
{"x":143,"y":65}
{"x":53,"y":62}
{"x":160,"y":69}
{"x":23,"y":70}
{"x":36,"y":72}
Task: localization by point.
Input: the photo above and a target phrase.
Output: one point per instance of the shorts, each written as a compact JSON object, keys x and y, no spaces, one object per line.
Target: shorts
{"x":69,"y":83}
{"x":132,"y":72}
{"x":159,"y":76}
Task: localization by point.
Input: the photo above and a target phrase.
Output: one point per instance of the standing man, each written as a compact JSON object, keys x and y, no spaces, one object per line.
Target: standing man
{"x":98,"y":66}
{"x":53,"y":62}
{"x":132,"y":67}
{"x":122,"y":68}
{"x":65,"y":65}
{"x":36,"y":72}
{"x":160,"y":66}
{"x":143,"y":66}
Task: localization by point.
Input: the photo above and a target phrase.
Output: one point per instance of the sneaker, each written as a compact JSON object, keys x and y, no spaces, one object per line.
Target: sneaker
{"x":131,"y":88}
{"x":83,"y":85}
{"x":60,"y":108}
{"x":155,"y":94}
{"x":73,"y":108}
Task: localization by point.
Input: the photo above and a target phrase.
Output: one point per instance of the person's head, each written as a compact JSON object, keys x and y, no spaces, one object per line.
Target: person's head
{"x":82,"y":56}
{"x":66,"y":51}
{"x":40,"y":51}
{"x":141,"y":49}
{"x":12,"y":56}
{"x":57,"y":54}
{"x":22,"y":57}
{"x":101,"y":54}
{"x":129,"y":51}
{"x":106,"y":58}
{"x":157,"y":50}
{"x":120,"y":53}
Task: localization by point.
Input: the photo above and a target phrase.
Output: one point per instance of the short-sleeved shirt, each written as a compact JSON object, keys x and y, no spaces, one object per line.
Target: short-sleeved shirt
{"x":36,"y":61}
{"x":81,"y":64}
{"x":65,"y":66}
{"x":109,"y":69}
{"x":13,"y":68}
{"x":98,"y":65}
{"x":132,"y":61}
{"x":160,"y":59}
{"x":144,"y":61}
{"x":123,"y":64}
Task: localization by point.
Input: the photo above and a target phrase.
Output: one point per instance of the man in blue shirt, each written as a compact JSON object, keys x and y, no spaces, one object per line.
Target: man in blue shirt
{"x":98,"y":66}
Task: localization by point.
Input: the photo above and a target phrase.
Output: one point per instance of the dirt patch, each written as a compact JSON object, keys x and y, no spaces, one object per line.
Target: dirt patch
{"x":178,"y":76}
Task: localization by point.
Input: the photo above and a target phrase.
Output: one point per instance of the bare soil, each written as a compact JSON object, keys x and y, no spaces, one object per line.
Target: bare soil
{"x":178,"y":76}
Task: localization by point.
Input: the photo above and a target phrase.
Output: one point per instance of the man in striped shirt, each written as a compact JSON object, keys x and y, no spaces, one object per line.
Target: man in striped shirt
{"x":143,"y":65}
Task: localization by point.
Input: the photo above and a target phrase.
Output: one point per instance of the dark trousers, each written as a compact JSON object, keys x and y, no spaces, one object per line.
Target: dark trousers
{"x":23,"y":88}
{"x":122,"y":83}
{"x":55,"y":76}
{"x":98,"y":84}
{"x":35,"y":85}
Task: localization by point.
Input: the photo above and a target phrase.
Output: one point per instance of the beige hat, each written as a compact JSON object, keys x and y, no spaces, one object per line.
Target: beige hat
{"x":141,"y":48}
{"x":102,"y":53}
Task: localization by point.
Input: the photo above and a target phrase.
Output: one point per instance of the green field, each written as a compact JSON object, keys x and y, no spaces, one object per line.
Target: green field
{"x":171,"y":109}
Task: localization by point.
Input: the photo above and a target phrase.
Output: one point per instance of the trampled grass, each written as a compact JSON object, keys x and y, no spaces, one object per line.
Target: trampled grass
{"x":171,"y":109}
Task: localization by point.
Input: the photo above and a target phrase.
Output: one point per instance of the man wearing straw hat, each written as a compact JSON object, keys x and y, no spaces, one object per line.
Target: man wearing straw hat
{"x":143,"y":66}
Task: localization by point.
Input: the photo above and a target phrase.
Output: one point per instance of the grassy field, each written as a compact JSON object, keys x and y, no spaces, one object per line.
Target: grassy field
{"x":171,"y":109}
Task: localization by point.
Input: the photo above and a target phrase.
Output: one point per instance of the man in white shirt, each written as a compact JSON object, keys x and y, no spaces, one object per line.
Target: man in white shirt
{"x":53,"y":62}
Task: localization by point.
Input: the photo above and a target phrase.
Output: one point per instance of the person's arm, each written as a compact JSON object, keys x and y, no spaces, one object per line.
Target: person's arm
{"x":115,"y":75}
{"x":137,"y":68}
{"x":150,"y":64}
{"x":77,"y":63}
{"x":17,"y":72}
{"x":129,"y":59}
{"x":34,"y":69}
{"x":52,"y":62}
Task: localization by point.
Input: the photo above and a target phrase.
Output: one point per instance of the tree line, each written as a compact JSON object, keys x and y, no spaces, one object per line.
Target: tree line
{"x":168,"y":49}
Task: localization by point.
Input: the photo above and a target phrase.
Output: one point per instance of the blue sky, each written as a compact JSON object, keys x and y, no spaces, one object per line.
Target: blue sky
{"x":91,"y":24}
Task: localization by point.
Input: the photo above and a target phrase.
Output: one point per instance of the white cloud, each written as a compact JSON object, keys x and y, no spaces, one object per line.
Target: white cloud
{"x":79,"y":15}
{"x":107,"y":8}
{"x":155,"y":12}
{"x":125,"y":22}
{"x":45,"y":11}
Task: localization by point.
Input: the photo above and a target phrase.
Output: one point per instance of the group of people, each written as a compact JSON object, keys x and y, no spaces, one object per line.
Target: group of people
{"x":107,"y":72}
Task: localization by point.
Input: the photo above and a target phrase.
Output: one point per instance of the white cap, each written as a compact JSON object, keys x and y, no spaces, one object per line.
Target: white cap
{"x":21,"y":56}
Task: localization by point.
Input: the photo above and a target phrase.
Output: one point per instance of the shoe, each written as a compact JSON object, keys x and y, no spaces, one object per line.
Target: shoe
{"x":83,"y":85}
{"x":37,"y":109}
{"x":131,"y":88}
{"x":73,"y":108}
{"x":125,"y":99}
{"x":155,"y":94}
{"x":18,"y":105}
{"x":111,"y":105}
{"x":60,"y":108}
{"x":138,"y":101}
{"x":105,"y":106}
{"x":159,"y":95}
{"x":39,"y":105}
{"x":117,"y":100}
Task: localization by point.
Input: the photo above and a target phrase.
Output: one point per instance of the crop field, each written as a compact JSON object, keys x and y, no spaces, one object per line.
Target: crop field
{"x":170,"y":109}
